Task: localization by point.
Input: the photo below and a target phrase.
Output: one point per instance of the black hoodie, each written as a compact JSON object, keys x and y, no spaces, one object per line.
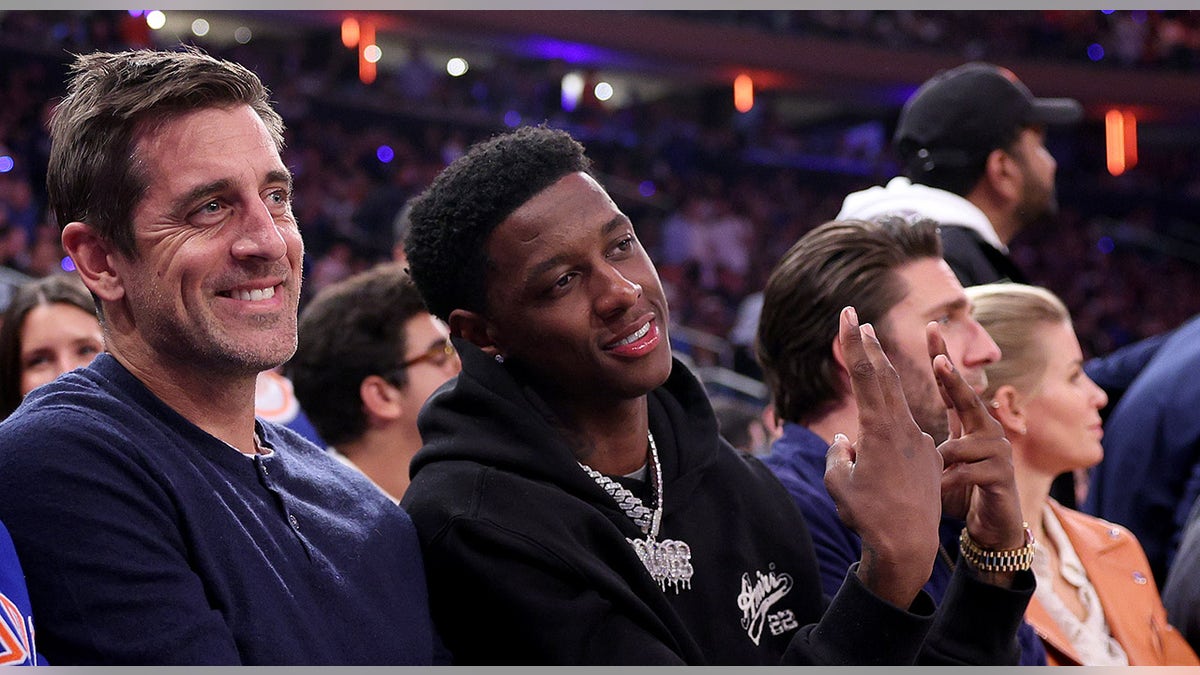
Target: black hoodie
{"x":528,"y":560}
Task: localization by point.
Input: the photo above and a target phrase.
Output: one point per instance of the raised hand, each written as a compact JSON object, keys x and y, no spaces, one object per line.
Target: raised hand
{"x":886,"y":483}
{"x":956,"y":499}
{"x":977,"y":482}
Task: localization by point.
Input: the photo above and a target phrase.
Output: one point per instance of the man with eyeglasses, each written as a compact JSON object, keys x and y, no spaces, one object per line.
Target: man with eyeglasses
{"x":369,"y":355}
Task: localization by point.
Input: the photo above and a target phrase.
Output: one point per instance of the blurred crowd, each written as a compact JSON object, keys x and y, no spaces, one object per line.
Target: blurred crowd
{"x":1126,"y":38}
{"x":717,"y":196}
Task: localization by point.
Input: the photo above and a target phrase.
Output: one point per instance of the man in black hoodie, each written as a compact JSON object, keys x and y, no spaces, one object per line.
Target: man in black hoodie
{"x":574,"y":499}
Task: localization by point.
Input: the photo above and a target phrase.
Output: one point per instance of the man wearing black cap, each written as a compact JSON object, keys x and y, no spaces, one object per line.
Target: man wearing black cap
{"x":971,"y":143}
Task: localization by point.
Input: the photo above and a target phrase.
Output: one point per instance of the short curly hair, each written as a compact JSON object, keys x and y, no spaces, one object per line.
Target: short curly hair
{"x":452,"y":220}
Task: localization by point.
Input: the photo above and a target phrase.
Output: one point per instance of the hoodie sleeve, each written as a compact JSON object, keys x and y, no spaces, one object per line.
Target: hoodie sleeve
{"x":977,"y":623}
{"x":860,"y":628}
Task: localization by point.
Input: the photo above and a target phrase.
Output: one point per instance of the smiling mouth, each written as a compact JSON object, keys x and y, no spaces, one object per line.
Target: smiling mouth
{"x":633,"y":337}
{"x":253,"y":295}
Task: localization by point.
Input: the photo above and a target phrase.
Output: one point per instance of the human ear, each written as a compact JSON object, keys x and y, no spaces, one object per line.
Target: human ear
{"x":476,"y":329}
{"x":380,"y":399}
{"x":1004,"y":174}
{"x":1009,"y":409}
{"x":93,"y":258}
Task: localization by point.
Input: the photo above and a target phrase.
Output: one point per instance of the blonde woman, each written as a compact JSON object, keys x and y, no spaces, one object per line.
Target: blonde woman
{"x":1096,"y":602}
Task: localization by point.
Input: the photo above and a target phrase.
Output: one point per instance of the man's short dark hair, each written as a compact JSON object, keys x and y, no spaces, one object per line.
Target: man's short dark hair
{"x":840,"y":263}
{"x":452,"y":220}
{"x":350,"y":330}
{"x":94,"y":176}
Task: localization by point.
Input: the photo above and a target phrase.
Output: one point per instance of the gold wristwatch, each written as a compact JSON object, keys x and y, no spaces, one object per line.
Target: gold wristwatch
{"x":1008,"y":560}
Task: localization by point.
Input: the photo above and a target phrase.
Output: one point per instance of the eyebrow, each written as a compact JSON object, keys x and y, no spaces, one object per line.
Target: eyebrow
{"x":185,"y":201}
{"x":280,"y":176}
{"x":616,"y":221}
{"x":960,"y":304}
{"x":541,"y":268}
{"x":554,"y":261}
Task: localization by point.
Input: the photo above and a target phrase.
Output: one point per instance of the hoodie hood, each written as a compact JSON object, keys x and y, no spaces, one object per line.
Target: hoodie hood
{"x":901,"y":197}
{"x":488,"y":415}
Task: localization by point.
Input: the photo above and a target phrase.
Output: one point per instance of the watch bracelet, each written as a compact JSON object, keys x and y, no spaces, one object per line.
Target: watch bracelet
{"x":1007,"y":560}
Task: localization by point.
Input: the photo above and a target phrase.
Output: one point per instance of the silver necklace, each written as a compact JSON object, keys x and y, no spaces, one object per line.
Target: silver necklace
{"x":668,"y":561}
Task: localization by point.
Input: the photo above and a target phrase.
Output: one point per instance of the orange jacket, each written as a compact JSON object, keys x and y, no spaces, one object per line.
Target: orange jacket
{"x":1117,"y":567}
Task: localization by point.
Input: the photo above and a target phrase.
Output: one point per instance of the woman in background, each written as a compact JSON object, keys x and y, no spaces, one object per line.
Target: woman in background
{"x":49,"y":327}
{"x":1096,"y":602}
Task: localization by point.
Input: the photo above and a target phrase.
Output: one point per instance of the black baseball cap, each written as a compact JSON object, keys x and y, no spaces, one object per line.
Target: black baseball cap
{"x":959,"y":115}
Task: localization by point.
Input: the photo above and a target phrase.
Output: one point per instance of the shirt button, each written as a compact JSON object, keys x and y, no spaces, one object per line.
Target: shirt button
{"x":295,"y":523}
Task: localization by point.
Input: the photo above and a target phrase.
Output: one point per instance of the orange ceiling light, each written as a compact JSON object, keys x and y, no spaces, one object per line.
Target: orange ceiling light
{"x":743,"y":93}
{"x":366,"y":67}
{"x":350,"y":32}
{"x":1120,"y":133}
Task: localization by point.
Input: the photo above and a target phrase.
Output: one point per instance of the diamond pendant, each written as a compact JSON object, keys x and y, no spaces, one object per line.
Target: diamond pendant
{"x":668,"y":561}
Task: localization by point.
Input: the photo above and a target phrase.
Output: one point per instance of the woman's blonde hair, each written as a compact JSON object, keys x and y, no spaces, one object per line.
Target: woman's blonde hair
{"x":1010,"y":313}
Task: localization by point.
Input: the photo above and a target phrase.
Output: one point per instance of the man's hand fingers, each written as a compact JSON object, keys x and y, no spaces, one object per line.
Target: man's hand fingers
{"x":839,"y":458}
{"x":967,"y":405}
{"x":839,"y":464}
{"x":936,"y":345}
{"x":863,"y":380}
{"x":973,"y":449}
{"x":886,"y":375}
{"x":934,"y":341}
